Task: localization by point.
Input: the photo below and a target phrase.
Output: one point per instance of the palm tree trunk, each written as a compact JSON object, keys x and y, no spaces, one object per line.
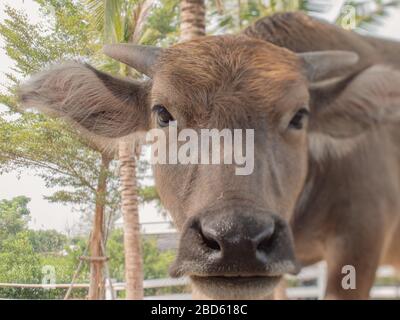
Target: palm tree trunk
{"x":193,"y":19}
{"x":96,"y":287}
{"x":132,"y":247}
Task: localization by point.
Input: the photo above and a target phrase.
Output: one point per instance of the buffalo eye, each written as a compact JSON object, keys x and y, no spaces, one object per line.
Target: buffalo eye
{"x":298,"y":120}
{"x":163,"y":116}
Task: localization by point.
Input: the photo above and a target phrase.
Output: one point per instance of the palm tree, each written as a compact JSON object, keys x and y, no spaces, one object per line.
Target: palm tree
{"x":123,"y":21}
{"x":193,"y":19}
{"x":130,"y":211}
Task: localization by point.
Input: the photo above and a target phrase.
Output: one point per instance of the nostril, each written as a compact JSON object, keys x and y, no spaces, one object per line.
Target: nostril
{"x":209,"y":242}
{"x":264,"y":240}
{"x":206,"y":238}
{"x":265,"y":245}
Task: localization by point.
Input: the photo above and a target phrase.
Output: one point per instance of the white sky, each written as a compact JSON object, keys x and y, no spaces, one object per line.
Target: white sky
{"x":55,"y":216}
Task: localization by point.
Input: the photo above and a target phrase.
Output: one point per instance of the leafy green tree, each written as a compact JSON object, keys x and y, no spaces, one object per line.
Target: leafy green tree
{"x":155,"y":262}
{"x":32,"y":141}
{"x":47,"y":241}
{"x":18,"y":264}
{"x":115,"y":250}
{"x":65,"y":266}
{"x":24,"y":252}
{"x":34,"y":46}
{"x":14,"y":217}
{"x":21,"y":263}
{"x":50,"y":147}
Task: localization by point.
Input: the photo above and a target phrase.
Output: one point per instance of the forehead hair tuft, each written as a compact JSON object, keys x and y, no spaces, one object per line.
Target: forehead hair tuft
{"x":233,"y":63}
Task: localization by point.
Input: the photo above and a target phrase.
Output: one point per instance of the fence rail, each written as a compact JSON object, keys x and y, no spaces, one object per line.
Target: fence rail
{"x":316,"y":272}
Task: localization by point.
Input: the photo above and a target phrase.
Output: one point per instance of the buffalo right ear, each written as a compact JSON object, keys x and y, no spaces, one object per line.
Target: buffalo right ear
{"x":95,"y":101}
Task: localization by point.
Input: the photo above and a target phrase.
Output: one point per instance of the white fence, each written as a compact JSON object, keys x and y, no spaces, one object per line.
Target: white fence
{"x":315,"y":273}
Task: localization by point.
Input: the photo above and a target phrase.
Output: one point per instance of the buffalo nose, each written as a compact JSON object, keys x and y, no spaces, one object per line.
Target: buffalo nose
{"x":240,"y":237}
{"x":235,"y":242}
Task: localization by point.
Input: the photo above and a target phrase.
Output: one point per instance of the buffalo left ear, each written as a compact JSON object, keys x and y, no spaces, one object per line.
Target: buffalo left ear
{"x":368,"y":101}
{"x":322,"y":65}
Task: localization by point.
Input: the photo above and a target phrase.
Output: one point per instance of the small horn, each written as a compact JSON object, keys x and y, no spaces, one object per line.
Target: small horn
{"x":141,"y":58}
{"x":321,"y":65}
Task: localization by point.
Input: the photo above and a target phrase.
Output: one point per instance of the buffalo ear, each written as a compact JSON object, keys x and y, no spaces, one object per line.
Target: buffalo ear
{"x":322,"y":65}
{"x":92,"y":100}
{"x":368,"y":101}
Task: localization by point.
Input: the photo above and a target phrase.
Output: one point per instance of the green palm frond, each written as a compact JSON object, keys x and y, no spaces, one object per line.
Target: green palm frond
{"x":120,"y":20}
{"x":139,"y":18}
{"x":107,"y":17}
